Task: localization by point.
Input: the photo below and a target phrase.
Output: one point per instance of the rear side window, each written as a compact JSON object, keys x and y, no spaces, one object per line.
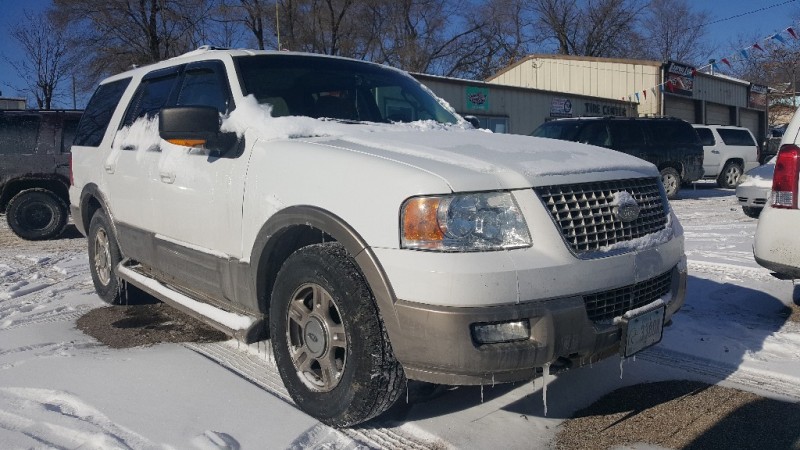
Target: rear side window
{"x":626,"y":134}
{"x":736,"y":137}
{"x":97,"y":115}
{"x":672,"y":132}
{"x":18,"y":134}
{"x":595,"y":133}
{"x":706,"y":136}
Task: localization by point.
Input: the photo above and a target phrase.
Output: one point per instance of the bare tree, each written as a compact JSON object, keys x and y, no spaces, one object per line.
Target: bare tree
{"x":46,"y":61}
{"x":605,"y":28}
{"x":673,"y":30}
{"x":117,"y":34}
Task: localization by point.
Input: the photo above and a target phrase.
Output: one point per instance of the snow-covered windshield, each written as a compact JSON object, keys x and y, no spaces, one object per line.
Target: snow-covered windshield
{"x":296,"y":85}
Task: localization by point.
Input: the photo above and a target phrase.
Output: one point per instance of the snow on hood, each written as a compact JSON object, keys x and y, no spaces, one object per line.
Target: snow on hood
{"x":467,"y":159}
{"x":760,"y":176}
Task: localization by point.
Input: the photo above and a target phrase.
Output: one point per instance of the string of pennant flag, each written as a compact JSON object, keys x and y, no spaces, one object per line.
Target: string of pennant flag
{"x":672,"y":84}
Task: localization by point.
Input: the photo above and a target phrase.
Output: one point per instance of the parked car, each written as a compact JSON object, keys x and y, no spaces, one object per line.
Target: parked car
{"x":754,"y":188}
{"x":339,"y":209}
{"x":776,"y":244}
{"x":728,"y":152}
{"x":671,"y":144}
{"x":34,"y":170}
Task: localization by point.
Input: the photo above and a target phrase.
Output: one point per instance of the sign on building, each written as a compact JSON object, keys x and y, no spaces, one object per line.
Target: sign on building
{"x":560,"y":107}
{"x":678,"y":79}
{"x":757,"y":97}
{"x":477,"y":98}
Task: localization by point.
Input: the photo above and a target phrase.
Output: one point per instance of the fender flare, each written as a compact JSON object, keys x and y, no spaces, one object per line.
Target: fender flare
{"x":330,"y":224}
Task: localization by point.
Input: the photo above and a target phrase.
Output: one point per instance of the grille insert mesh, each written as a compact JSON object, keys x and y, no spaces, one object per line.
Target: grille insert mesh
{"x":604,"y":306}
{"x":585,"y":212}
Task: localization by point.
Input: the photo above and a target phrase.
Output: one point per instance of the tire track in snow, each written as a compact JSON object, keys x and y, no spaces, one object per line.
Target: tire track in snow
{"x":722,"y":270}
{"x":777,"y":384}
{"x":261,"y":371}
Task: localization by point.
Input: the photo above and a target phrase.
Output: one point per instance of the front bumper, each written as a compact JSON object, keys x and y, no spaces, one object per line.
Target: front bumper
{"x":436,"y":344}
{"x":752,"y":196}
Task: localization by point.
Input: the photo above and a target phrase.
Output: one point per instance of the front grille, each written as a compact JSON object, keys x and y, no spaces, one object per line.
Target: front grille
{"x":604,"y":306}
{"x":584,"y":212}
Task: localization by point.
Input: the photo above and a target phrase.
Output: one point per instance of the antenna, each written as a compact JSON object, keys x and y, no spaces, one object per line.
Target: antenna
{"x":278,"y":25}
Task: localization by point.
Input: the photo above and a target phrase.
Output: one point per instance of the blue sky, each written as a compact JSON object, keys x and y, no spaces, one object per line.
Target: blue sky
{"x":774,"y":16}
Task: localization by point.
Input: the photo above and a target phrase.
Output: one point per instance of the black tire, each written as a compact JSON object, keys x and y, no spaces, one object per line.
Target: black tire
{"x":730,"y":175}
{"x":672,"y":181}
{"x":750,"y":211}
{"x":345,"y":372}
{"x":104,"y":255}
{"x":37,"y":214}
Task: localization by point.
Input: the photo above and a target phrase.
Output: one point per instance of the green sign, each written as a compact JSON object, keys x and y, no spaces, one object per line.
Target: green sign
{"x":478,"y":98}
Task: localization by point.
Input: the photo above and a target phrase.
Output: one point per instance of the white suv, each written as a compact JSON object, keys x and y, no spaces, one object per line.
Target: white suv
{"x":776,"y":245}
{"x":339,"y":209}
{"x":728,"y":152}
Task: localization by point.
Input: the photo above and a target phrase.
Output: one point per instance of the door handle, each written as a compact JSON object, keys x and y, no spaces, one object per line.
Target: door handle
{"x":715,"y":151}
{"x":110,"y":168}
{"x":167,"y":177}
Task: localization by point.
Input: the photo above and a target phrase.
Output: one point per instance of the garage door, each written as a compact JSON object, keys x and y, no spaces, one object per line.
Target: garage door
{"x":682,"y":108}
{"x":750,"y":119}
{"x":718,"y":114}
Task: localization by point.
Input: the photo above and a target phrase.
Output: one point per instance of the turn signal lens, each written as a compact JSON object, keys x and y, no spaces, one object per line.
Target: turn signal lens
{"x":419,"y":220}
{"x":188,"y":142}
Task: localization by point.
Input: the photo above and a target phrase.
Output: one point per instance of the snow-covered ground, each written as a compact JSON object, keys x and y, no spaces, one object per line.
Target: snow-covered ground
{"x":60,"y":388}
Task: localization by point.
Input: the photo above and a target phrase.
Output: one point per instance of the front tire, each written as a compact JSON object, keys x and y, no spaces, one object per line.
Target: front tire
{"x":729,"y":177}
{"x":37,"y":214}
{"x":104,"y":256}
{"x":672,"y":181}
{"x":329,"y":341}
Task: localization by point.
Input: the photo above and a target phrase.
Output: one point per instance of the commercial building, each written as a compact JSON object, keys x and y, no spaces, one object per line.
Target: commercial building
{"x":658,"y":89}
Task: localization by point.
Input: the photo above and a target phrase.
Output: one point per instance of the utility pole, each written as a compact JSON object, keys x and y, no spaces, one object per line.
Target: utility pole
{"x":278,"y":25}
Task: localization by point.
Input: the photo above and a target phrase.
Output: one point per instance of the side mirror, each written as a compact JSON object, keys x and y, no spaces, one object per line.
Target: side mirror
{"x":189,"y":126}
{"x":473,"y":121}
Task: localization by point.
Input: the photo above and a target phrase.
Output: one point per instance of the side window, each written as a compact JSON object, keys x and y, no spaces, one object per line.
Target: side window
{"x":97,"y":115}
{"x":595,"y":133}
{"x":68,"y":133}
{"x":706,"y":136}
{"x":736,"y":137}
{"x":205,"y":85}
{"x":626,"y":134}
{"x":153,"y":93}
{"x":18,"y":134}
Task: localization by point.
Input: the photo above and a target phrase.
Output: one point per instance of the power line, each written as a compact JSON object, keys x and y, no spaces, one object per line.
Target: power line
{"x":748,"y":13}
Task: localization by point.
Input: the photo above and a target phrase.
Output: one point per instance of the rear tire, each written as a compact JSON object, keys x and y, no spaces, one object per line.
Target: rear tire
{"x":104,"y":256}
{"x":672,"y":182}
{"x":37,"y":214}
{"x":328,"y":338}
{"x":730,"y":175}
{"x":749,"y":211}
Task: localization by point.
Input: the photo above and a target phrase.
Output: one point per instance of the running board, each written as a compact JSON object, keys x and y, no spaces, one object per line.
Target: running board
{"x":248,"y":329}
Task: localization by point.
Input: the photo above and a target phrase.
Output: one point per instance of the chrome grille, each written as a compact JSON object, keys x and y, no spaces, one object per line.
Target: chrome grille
{"x":584,"y":212}
{"x":604,"y":306}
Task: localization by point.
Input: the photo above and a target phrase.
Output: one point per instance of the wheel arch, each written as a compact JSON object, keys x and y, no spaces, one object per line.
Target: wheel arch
{"x":91,"y":200}
{"x":298,"y":226}
{"x":55,"y":184}
{"x":674,"y":165}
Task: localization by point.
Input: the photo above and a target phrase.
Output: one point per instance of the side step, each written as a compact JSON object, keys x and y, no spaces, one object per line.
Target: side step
{"x":247,"y":329}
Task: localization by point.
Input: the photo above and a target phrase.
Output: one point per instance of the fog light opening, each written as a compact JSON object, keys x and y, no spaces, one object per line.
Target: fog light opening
{"x":501,"y":332}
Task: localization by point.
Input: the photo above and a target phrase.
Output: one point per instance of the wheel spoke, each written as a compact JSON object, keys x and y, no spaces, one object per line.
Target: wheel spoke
{"x":302,"y":360}
{"x":338,"y":336}
{"x":329,"y":370}
{"x":298,"y":312}
{"x":322,"y":299}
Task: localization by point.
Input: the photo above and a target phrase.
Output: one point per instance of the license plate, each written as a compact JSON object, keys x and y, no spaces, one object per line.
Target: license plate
{"x":642,"y":331}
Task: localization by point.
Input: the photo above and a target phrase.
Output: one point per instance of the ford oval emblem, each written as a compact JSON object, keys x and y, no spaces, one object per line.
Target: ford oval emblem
{"x":626,"y":210}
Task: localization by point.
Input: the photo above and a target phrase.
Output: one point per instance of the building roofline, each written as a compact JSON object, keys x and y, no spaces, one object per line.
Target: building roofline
{"x":641,"y":62}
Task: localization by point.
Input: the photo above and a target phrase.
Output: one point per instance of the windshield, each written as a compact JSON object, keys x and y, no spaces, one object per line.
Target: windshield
{"x":564,"y":130}
{"x":341,"y":89}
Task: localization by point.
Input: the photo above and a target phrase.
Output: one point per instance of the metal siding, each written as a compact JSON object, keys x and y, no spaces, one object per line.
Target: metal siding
{"x":718,"y":114}
{"x":720,"y":90}
{"x":682,"y":108}
{"x":750,"y":120}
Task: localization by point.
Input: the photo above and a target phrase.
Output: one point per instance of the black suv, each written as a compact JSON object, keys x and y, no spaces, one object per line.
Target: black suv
{"x":671,"y":144}
{"x":34,"y":170}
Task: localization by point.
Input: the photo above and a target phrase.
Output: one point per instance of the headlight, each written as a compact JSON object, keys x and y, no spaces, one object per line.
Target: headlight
{"x":464,"y":222}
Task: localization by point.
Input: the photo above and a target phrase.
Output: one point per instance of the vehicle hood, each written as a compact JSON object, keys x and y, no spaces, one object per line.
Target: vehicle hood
{"x":470,"y":160}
